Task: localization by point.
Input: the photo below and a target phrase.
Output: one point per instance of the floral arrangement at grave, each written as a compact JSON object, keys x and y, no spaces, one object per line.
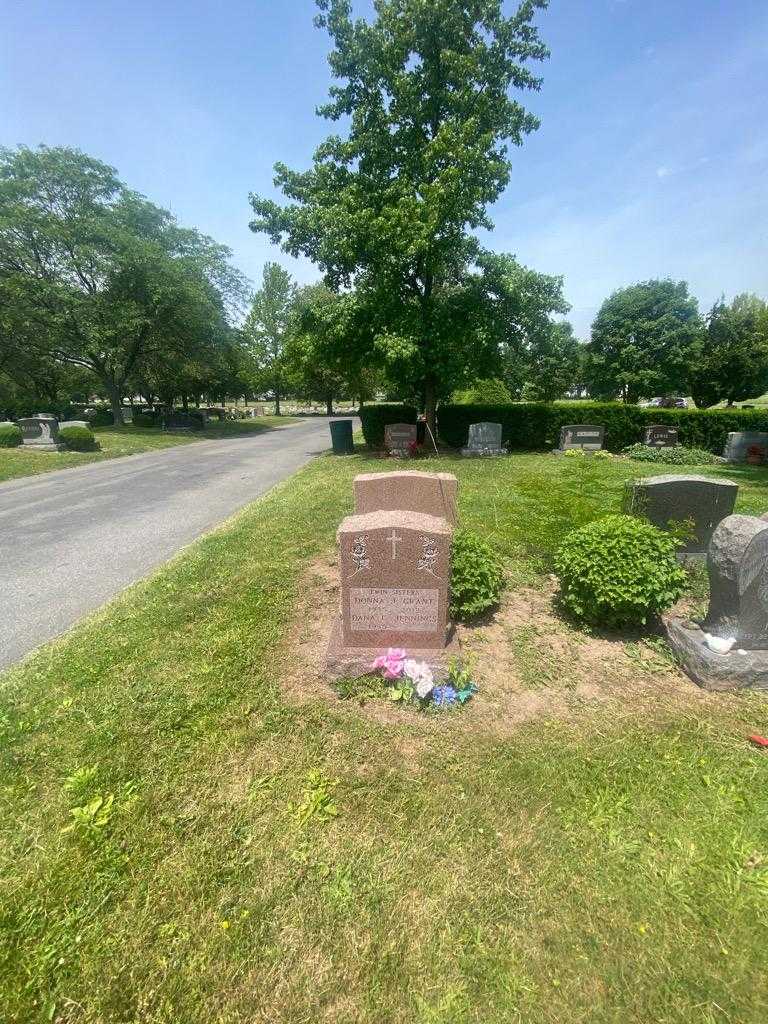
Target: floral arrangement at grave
{"x":415,"y":450}
{"x":413,"y":682}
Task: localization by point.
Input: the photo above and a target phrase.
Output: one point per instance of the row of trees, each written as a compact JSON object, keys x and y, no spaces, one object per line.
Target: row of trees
{"x":650,"y":339}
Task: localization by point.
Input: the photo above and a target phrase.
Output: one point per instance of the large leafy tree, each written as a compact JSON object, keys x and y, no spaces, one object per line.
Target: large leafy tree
{"x":553,"y":363}
{"x":267,"y":330}
{"x":733,"y":364}
{"x":645,"y":340}
{"x":93,"y":275}
{"x":390,"y":206}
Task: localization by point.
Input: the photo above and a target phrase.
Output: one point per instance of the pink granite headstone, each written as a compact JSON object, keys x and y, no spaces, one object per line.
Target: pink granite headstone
{"x":433,"y":494}
{"x":395,"y":576}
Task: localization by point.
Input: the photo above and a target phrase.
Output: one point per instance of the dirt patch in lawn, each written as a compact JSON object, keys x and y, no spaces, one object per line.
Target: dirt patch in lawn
{"x":530,"y":663}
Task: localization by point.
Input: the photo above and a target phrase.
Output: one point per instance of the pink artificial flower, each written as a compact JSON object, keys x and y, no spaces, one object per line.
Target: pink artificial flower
{"x":392,"y":662}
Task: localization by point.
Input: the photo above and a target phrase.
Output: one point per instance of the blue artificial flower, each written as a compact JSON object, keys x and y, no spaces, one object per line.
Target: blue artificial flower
{"x":464,"y":695}
{"x":444,"y":695}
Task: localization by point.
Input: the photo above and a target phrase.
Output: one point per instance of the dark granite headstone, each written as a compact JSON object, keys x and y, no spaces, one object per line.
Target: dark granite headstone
{"x":659,"y":436}
{"x":484,"y":439}
{"x":40,"y":433}
{"x":398,"y":437}
{"x":671,"y":500}
{"x":587,"y":437}
{"x":752,"y":633}
{"x":179,"y":420}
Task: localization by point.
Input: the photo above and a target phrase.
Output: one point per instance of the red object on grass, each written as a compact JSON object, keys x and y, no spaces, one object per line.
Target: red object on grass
{"x":759,"y":741}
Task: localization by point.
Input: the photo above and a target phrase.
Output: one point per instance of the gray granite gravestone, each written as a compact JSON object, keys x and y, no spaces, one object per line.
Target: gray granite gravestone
{"x":484,"y":439}
{"x":742,"y":444}
{"x":587,"y":437}
{"x":659,"y":436}
{"x":672,"y":500}
{"x":177,"y":419}
{"x":40,"y":433}
{"x":737,"y":615}
{"x":398,"y":437}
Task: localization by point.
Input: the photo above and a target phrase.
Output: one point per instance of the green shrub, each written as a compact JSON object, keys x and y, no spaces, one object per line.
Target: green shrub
{"x":536,"y":425}
{"x":484,"y":392}
{"x":374,"y":419}
{"x":103,"y":418}
{"x":677,"y":456}
{"x":79,"y":439}
{"x":477,"y":576}
{"x":10,"y":436}
{"x":617,"y":571}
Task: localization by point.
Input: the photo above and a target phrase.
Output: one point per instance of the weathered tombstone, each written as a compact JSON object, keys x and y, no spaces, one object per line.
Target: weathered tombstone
{"x":744,"y":444}
{"x":587,"y":437}
{"x":395,"y":575}
{"x":40,"y":433}
{"x":674,"y":499}
{"x":659,"y":436}
{"x":433,"y":494}
{"x":398,"y":438}
{"x":127,"y":413}
{"x":729,"y":649}
{"x":484,"y":439}
{"x":752,"y":633}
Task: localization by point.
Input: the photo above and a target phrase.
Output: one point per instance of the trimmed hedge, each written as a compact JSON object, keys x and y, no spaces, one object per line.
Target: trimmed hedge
{"x":79,"y":439}
{"x":374,"y":419}
{"x":10,"y":436}
{"x":536,"y":425}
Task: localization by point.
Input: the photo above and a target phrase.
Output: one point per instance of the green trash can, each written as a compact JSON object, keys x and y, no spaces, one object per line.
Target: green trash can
{"x":341,"y":437}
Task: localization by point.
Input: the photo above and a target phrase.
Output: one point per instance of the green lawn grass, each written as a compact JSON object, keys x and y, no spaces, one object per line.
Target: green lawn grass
{"x":592,"y":869}
{"x":127,"y":440}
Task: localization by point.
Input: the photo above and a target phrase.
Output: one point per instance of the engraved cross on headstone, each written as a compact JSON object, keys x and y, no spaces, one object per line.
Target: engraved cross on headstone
{"x":394,"y":539}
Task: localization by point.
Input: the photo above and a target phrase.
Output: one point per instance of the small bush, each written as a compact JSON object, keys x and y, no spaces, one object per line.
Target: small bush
{"x":477,"y":577}
{"x":617,"y":571}
{"x":78,"y":439}
{"x":374,"y":419}
{"x":485,"y":392}
{"x":10,"y":436}
{"x":677,"y":456}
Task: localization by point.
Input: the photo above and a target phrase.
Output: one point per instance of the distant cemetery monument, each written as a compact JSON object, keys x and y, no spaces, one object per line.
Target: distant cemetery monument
{"x":672,"y":500}
{"x":399,"y":438}
{"x":394,"y":566}
{"x":658,"y":435}
{"x":484,"y":439}
{"x":40,"y":433}
{"x":746,"y":446}
{"x":584,"y":436}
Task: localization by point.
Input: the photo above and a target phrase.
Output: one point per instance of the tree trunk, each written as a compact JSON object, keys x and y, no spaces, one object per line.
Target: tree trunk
{"x":430,"y":404}
{"x":114,"y":400}
{"x":185,"y":402}
{"x":329,"y":405}
{"x":277,"y":402}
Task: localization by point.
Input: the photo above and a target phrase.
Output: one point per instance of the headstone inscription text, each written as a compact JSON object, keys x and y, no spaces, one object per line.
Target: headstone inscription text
{"x":408,"y":608}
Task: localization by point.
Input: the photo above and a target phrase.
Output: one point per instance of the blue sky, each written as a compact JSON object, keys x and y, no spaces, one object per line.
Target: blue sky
{"x":652,"y":158}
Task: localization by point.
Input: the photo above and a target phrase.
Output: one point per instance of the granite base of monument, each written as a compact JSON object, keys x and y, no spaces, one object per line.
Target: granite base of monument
{"x":344,"y":662}
{"x":736,"y":670}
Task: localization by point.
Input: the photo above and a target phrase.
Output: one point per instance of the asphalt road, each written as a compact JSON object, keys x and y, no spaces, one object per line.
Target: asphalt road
{"x":73,"y":538}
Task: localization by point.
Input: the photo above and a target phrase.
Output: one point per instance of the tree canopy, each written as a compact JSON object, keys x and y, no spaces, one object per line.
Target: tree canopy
{"x":645,"y":340}
{"x":390,"y":206}
{"x":733,"y":364}
{"x":93,"y":275}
